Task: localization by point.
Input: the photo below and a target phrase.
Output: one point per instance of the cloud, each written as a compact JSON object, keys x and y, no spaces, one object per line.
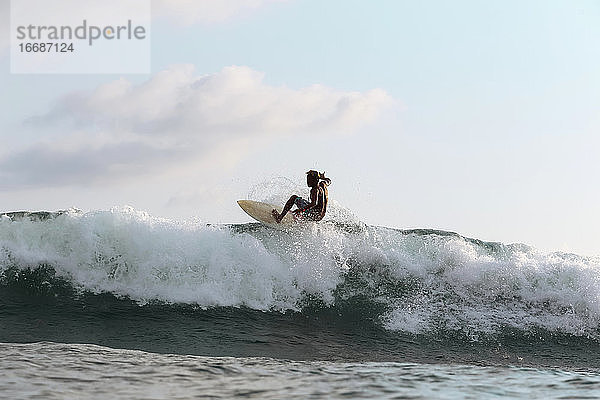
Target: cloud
{"x":123,"y":129}
{"x":44,"y":165}
{"x":234,"y":101}
{"x":189,"y":12}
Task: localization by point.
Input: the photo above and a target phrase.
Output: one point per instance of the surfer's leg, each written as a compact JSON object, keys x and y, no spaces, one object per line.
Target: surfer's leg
{"x":286,"y":208}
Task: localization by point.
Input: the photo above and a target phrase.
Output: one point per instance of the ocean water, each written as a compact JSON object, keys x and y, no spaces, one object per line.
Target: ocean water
{"x":122,"y":304}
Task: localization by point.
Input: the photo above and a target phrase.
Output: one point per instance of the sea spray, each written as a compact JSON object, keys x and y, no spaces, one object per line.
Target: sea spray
{"x":418,"y":281}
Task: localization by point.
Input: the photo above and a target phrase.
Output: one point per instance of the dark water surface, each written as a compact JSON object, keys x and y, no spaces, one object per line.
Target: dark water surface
{"x":57,"y":371}
{"x":340,"y":333}
{"x":123,"y":304}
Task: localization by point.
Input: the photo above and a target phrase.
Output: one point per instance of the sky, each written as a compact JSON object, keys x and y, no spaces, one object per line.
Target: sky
{"x":481,"y":118}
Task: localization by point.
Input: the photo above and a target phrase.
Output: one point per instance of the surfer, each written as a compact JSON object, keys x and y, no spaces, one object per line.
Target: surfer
{"x":316,"y":208}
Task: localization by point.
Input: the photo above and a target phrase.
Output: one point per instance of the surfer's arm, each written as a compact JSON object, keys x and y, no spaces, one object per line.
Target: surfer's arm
{"x":312,"y":204}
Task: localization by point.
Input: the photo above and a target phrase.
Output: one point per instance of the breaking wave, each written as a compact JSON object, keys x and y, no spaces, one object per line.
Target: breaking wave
{"x":419,"y":281}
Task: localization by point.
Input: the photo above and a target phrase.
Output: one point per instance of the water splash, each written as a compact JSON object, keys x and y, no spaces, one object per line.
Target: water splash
{"x":423,"y":281}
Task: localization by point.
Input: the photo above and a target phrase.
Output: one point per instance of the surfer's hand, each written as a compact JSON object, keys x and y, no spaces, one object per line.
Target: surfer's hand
{"x":297,"y":211}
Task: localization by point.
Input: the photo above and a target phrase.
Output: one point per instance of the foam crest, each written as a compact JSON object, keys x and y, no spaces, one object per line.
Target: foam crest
{"x":132,"y":254}
{"x":426,"y":282}
{"x":467,"y":287}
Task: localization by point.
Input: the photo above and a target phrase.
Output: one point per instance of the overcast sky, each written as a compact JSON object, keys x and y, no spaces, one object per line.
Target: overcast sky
{"x":480,"y":117}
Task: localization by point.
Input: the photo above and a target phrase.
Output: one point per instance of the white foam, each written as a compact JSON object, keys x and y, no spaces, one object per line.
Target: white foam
{"x":427,"y":281}
{"x":132,"y":254}
{"x":467,"y":288}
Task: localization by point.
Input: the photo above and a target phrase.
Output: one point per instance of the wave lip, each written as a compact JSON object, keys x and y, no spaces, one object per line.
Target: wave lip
{"x":418,"y":281}
{"x":130,"y":253}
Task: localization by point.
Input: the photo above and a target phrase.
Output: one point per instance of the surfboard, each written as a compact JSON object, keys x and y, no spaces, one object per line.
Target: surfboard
{"x":262,"y":213}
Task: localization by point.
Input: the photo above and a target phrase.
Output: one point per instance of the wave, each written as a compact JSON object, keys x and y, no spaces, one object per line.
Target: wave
{"x":418,"y":281}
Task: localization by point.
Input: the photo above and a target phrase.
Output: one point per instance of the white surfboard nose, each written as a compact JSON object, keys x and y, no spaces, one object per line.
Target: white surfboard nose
{"x":263,"y":212}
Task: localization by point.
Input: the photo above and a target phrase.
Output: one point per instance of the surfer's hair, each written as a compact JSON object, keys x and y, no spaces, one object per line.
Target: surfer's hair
{"x":317,"y":174}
